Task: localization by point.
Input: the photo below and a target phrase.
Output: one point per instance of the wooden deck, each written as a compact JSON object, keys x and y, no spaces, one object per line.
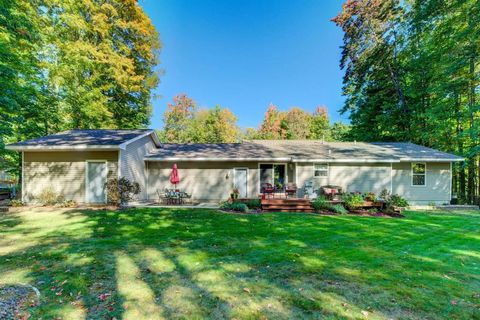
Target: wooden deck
{"x":287,"y":205}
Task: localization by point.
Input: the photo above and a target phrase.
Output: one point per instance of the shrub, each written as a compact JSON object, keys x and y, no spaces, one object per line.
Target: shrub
{"x":398,"y":201}
{"x":16,"y":203}
{"x":253,"y":203}
{"x":338,"y":208}
{"x":352,"y":201}
{"x":48,"y":197}
{"x":234,"y":206}
{"x":120,"y":191}
{"x":393,"y":200}
{"x":68,"y":204}
{"x":370,"y":195}
{"x":321,"y":203}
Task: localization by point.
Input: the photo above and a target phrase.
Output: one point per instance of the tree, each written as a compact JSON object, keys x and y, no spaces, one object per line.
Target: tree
{"x":320,"y":124}
{"x":220,"y":126}
{"x":273,"y":125}
{"x":19,"y":82}
{"x":297,"y":123}
{"x":340,"y":132}
{"x":178,"y":119}
{"x":185,"y":123}
{"x":73,"y":64}
{"x":411,"y":74}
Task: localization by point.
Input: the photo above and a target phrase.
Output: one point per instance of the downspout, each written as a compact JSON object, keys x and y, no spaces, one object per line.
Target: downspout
{"x":391,"y":178}
{"x":450,"y":184}
{"x":23,"y":177}
{"x":119,"y":164}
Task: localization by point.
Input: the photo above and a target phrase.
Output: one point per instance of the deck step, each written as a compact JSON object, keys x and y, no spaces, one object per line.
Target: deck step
{"x":287,"y":205}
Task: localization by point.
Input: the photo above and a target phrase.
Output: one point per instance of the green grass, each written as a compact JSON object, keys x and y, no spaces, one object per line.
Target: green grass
{"x":165,"y":263}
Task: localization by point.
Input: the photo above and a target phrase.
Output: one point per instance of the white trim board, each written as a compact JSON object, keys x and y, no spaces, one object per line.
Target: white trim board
{"x":150,"y":132}
{"x":215,"y":159}
{"x":79,"y":147}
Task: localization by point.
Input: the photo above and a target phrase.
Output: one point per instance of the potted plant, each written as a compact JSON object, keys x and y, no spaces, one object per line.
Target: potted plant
{"x":235,"y":193}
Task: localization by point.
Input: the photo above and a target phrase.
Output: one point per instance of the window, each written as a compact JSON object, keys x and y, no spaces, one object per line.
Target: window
{"x":320,"y":170}
{"x":419,"y":170}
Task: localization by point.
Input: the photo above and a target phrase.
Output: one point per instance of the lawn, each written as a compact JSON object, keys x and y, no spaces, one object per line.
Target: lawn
{"x":179,"y":263}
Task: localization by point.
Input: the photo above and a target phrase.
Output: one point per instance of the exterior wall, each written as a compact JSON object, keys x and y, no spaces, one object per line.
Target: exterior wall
{"x":437,"y":188}
{"x":64,"y":172}
{"x":351,"y":177}
{"x":203,"y":180}
{"x":396,"y":177}
{"x":132,"y":163}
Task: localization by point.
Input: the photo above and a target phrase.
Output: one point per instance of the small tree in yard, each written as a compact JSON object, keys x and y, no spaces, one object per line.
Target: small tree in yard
{"x":120,"y":191}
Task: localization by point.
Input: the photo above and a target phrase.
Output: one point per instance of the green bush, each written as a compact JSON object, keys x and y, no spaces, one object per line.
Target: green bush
{"x":321,"y":203}
{"x":120,"y":191}
{"x":393,"y":200}
{"x":253,"y":203}
{"x":352,"y":201}
{"x":398,"y":201}
{"x":338,"y":208}
{"x":48,"y":197}
{"x":234,"y":206}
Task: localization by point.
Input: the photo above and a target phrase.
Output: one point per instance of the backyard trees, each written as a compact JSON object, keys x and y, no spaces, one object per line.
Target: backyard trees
{"x":412,"y":74}
{"x":74,"y":64}
{"x":184,"y":122}
{"x":296,"y":123}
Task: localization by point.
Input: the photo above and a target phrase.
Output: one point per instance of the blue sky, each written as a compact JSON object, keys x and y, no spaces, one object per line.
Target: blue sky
{"x":246,"y":54}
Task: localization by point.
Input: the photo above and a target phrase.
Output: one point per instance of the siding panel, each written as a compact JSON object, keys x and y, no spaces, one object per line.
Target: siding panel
{"x":64,"y":172}
{"x":132,"y":163}
{"x":437,"y":187}
{"x":351,"y":177}
{"x":204,"y":180}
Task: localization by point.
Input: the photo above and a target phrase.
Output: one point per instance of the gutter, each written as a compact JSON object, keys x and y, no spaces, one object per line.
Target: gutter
{"x":79,"y":147}
{"x":301,"y":160}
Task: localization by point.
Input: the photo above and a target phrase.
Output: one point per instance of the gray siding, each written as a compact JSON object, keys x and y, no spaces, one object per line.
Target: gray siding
{"x":132,"y":164}
{"x":204,"y":180}
{"x":437,"y":188}
{"x":64,"y":172}
{"x":351,"y":177}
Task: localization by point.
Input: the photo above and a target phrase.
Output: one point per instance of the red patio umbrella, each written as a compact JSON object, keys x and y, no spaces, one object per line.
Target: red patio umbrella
{"x":174,"y":178}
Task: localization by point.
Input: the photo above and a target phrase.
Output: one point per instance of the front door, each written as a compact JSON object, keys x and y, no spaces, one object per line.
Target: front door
{"x":240,"y":181}
{"x":96,"y":179}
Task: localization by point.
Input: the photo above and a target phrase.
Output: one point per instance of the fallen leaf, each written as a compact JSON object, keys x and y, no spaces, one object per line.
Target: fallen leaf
{"x":365,"y":313}
{"x":454,"y":302}
{"x":247,"y":290}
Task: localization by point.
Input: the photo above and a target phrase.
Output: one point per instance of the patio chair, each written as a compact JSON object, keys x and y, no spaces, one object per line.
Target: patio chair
{"x":290,"y":189}
{"x":267,"y":189}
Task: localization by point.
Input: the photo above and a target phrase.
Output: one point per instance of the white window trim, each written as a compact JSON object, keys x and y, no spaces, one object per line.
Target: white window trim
{"x":412,"y":174}
{"x":86,"y":177}
{"x":321,"y":177}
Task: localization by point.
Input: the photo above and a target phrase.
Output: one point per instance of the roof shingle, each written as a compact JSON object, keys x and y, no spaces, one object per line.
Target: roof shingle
{"x":83,"y":138}
{"x":300,"y":150}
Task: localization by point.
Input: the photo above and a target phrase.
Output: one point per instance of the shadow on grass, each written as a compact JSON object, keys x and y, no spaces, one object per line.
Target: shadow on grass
{"x":157,"y":263}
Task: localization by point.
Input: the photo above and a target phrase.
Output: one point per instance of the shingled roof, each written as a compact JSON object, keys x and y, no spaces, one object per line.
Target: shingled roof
{"x":300,"y":151}
{"x":82,"y":138}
